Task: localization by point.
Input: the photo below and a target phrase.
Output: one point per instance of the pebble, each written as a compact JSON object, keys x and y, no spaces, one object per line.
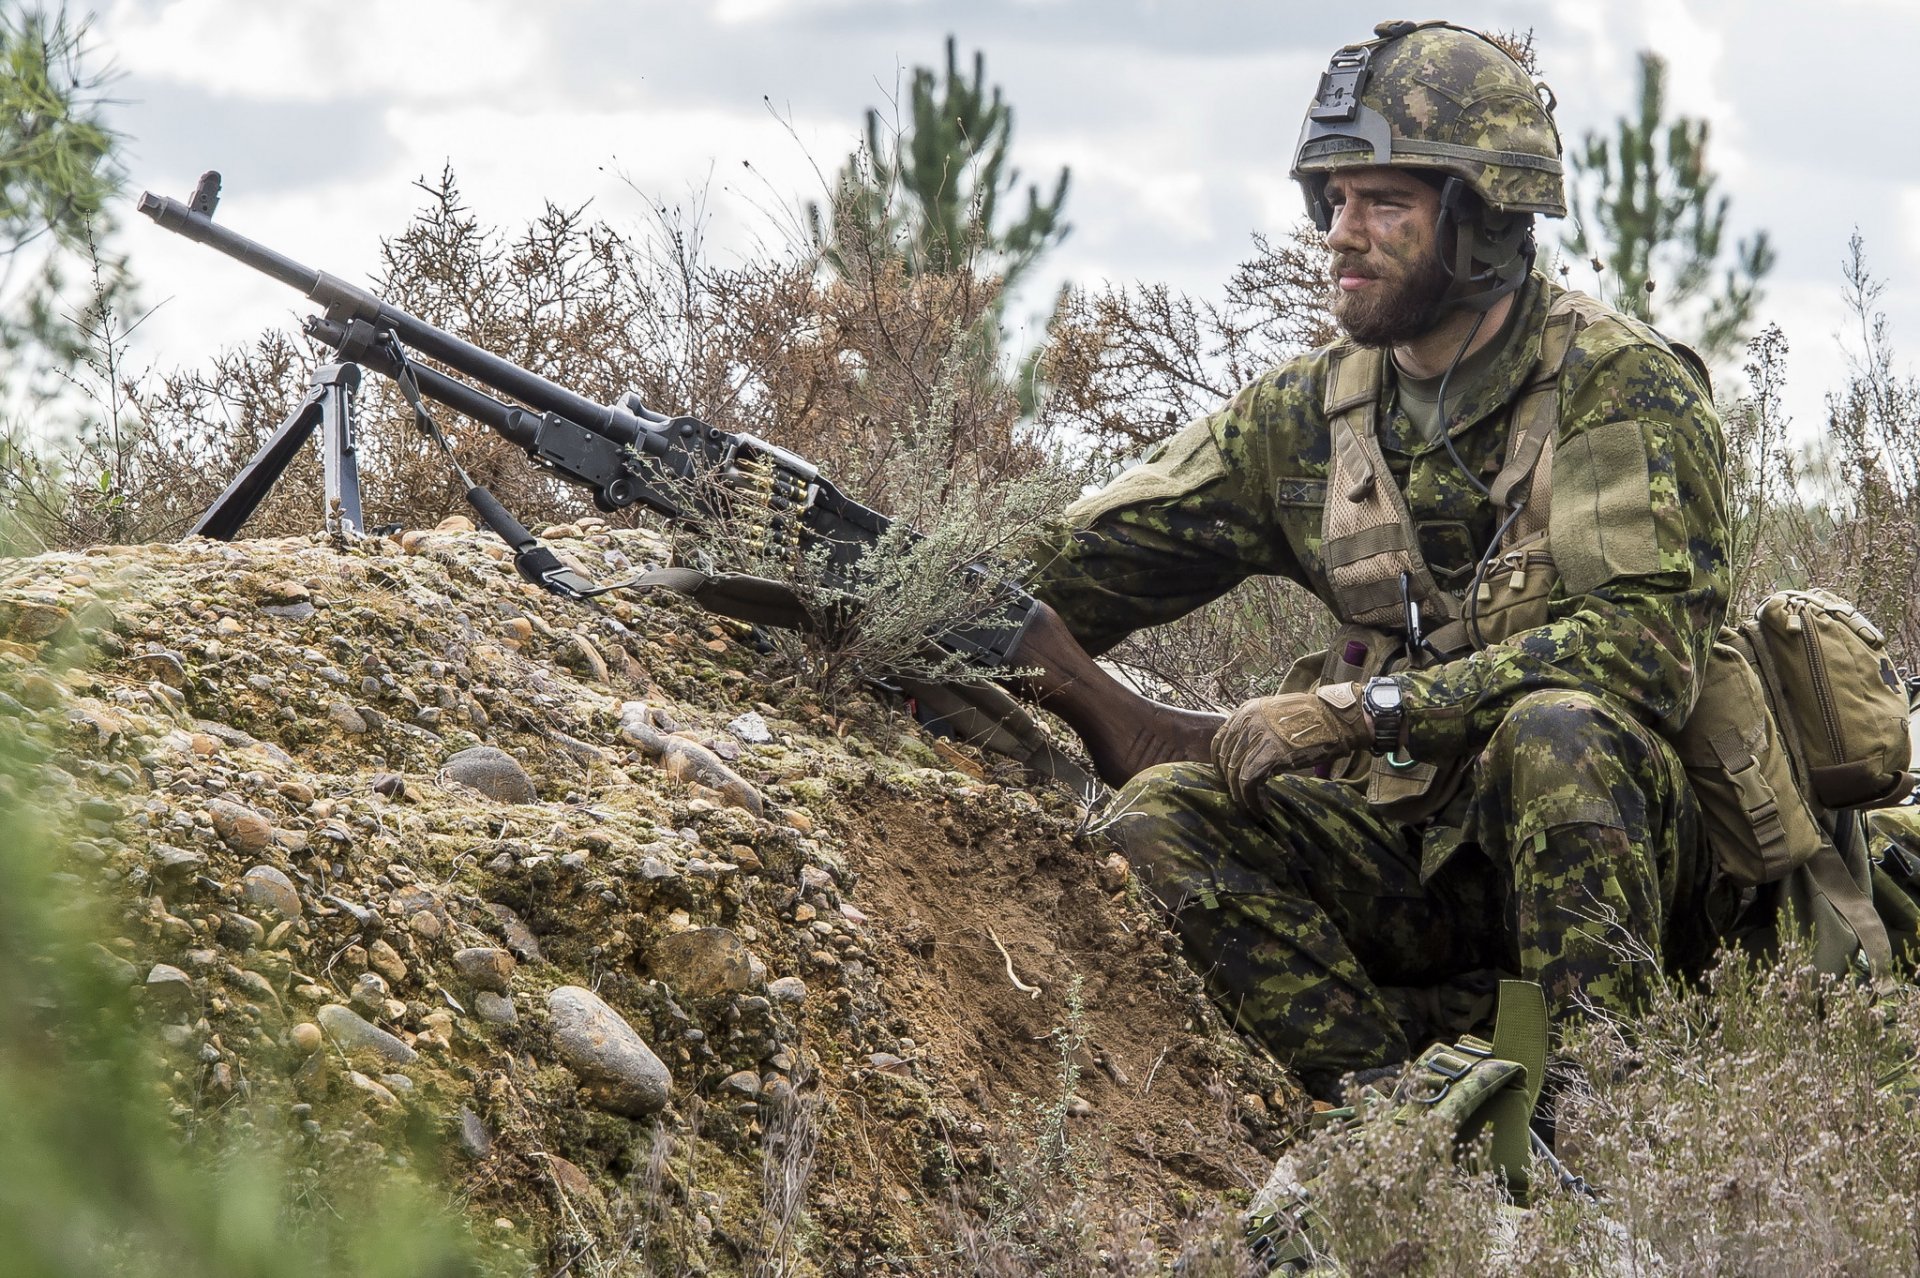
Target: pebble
{"x":305,"y":1037}
{"x":495,"y":1009}
{"x":751,"y":728}
{"x":788,"y":989}
{"x":475,"y":1140}
{"x":485,"y":967}
{"x":240,"y":827}
{"x":745,"y":1082}
{"x":349,"y":720}
{"x":375,"y":1092}
{"x":705,"y":962}
{"x":493,"y":772}
{"x":169,"y":988}
{"x":353,"y":1033}
{"x":270,"y":889}
{"x":617,"y":1069}
{"x":1113,"y":872}
{"x":520,"y":937}
{"x":176,"y":866}
{"x":386,"y":960}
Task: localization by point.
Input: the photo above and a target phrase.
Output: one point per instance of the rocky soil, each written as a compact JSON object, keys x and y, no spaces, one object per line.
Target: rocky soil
{"x":662,"y":965}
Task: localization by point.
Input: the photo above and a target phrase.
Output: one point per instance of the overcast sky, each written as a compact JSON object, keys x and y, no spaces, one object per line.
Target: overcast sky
{"x":1177,"y":120}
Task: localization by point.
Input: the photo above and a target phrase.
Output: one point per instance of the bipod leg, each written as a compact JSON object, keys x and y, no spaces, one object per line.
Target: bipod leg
{"x":339,"y":453}
{"x":328,"y":389}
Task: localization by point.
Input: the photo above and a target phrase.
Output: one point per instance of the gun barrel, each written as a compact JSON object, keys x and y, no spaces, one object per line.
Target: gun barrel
{"x":345,"y":301}
{"x":181,"y":220}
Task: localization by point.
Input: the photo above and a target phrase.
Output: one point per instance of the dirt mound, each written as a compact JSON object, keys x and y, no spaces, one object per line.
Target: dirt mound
{"x":379,"y":827}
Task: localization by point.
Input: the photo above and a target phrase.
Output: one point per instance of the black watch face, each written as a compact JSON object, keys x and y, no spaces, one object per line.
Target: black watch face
{"x":1383,"y":696}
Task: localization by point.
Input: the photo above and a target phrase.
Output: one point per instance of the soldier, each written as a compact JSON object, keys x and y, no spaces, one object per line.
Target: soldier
{"x":1512,"y":500}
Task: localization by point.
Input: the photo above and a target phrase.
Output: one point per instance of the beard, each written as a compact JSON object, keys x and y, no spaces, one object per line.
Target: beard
{"x":1404,"y":302}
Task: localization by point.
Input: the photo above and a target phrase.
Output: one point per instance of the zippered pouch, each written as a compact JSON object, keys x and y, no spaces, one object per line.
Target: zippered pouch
{"x":1756,"y":820}
{"x":1841,"y":705}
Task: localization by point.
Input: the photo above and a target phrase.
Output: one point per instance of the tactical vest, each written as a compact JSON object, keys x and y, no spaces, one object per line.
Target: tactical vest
{"x":1373,"y":561}
{"x":1760,"y":823}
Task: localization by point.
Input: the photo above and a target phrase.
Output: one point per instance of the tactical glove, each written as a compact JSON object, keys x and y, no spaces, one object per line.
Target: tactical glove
{"x":1285,"y":733}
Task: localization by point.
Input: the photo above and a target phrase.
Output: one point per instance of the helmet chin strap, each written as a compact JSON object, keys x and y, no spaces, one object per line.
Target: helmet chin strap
{"x":1503,"y":246}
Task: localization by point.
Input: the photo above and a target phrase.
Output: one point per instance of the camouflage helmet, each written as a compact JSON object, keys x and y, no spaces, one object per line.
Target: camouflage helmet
{"x":1431,"y":95}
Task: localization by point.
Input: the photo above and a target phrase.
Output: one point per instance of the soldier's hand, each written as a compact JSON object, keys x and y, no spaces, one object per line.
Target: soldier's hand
{"x":1288,"y":732}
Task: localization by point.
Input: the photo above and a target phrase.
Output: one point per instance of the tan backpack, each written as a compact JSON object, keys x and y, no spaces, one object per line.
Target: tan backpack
{"x":1801,"y":720}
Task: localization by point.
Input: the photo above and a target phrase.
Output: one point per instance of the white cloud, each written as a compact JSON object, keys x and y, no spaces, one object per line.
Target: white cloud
{"x":1177,"y":123}
{"x":301,"y":50}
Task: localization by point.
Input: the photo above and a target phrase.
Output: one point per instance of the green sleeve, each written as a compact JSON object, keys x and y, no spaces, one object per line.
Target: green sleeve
{"x":1178,"y":530}
{"x":1638,"y":530}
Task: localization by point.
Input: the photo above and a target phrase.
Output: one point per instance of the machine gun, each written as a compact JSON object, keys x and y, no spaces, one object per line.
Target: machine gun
{"x":626,"y":454}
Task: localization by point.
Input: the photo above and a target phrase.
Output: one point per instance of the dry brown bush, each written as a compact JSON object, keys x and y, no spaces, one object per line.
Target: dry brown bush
{"x":899,"y":388}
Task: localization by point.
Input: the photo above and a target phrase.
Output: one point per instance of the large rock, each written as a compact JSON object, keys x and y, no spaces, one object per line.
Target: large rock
{"x":703,"y":963}
{"x":271,"y":889}
{"x":240,"y":827}
{"x":617,"y":1069}
{"x":491,"y":771}
{"x":355,"y":1034}
{"x":685,"y":759}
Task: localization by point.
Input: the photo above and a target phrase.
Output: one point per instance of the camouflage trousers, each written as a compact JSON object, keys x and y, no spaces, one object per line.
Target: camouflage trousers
{"x":1572,"y":857}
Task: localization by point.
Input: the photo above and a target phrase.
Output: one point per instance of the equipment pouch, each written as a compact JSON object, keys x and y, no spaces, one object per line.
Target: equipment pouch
{"x":1757,"y":823}
{"x":1842,"y":707}
{"x":1513,"y":594}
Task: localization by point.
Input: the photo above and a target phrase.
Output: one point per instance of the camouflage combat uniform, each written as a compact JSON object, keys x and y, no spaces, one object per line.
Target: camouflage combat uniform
{"x":1571,"y":854}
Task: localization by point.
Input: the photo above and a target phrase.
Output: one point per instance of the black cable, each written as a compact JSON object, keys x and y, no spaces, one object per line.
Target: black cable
{"x":1440,"y":408}
{"x":1474,"y":636}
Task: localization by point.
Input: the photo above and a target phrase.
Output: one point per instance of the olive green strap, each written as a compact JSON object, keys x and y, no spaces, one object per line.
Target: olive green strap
{"x":1828,"y":873}
{"x":1537,"y":414}
{"x":1519,"y":1035}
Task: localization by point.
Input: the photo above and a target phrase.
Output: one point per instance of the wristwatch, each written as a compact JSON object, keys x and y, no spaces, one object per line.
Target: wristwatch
{"x":1386,"y":711}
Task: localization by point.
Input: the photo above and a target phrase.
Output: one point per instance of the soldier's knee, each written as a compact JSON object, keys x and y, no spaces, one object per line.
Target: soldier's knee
{"x":1152,"y":808}
{"x":1169,"y":783}
{"x":1560,"y":718}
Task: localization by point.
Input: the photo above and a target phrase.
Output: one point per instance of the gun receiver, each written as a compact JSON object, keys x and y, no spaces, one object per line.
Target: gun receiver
{"x":627,"y":454}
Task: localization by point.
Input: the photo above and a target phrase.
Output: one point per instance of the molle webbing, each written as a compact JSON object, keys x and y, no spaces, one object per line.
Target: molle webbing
{"x":1529,"y":461}
{"x":1369,"y":539}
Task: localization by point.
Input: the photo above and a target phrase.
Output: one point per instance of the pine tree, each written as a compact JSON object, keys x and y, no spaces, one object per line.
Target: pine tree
{"x":57,"y":173}
{"x":1648,"y":217}
{"x":933,"y":195}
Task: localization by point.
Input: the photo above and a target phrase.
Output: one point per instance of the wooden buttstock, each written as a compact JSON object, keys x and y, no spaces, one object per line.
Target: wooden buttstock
{"x":1125,"y":732}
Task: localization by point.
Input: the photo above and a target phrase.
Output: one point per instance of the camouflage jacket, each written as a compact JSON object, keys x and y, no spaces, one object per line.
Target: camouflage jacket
{"x":1643,"y":585}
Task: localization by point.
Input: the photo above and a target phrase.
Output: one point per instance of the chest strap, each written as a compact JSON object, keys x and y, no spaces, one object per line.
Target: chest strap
{"x":1369,"y":540}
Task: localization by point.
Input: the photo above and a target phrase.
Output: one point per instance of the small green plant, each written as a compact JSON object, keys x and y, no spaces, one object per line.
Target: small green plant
{"x":939,"y":570}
